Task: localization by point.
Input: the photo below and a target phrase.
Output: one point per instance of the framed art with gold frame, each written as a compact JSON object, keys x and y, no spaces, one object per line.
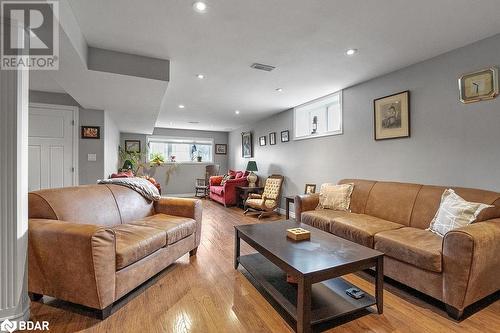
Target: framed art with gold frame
{"x":479,"y":86}
{"x":392,"y":116}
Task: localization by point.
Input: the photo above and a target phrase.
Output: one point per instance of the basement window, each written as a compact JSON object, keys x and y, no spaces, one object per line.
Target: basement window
{"x":182,"y":150}
{"x":320,"y":117}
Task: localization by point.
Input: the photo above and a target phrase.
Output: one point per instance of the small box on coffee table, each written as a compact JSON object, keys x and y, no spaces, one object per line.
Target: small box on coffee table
{"x":298,"y":234}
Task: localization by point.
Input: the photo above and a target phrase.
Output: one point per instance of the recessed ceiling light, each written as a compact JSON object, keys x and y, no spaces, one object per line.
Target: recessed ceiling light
{"x":351,"y":52}
{"x":200,"y":76}
{"x":237,"y":111}
{"x":279,"y":89}
{"x":200,"y":6}
{"x":181,"y":106}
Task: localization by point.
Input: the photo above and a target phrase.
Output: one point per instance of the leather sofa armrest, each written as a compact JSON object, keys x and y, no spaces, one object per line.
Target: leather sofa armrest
{"x":471,"y":264}
{"x":215,"y":180}
{"x":185,"y":207}
{"x":305,"y":202}
{"x":72,"y":261}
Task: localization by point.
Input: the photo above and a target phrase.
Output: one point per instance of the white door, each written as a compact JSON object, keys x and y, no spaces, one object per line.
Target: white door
{"x":51,"y":147}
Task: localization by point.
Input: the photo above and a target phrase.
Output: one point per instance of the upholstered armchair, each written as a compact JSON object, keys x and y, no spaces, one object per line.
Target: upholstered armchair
{"x":266,"y":203}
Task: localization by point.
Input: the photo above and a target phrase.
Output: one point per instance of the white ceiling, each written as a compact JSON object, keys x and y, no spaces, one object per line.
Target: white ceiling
{"x":304,"y":39}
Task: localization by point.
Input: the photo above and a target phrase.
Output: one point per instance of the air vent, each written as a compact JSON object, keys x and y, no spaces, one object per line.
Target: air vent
{"x":194,"y":122}
{"x":262,"y":67}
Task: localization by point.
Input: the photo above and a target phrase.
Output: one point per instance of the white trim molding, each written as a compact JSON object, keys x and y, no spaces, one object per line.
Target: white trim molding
{"x":14,"y":301}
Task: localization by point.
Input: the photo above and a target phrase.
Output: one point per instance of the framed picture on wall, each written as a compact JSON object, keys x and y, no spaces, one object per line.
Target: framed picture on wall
{"x":310,"y":188}
{"x":220,"y":149}
{"x":285,"y":136}
{"x":133,"y":146}
{"x":272,"y":138}
{"x":246,"y":145}
{"x":91,"y":132}
{"x":479,"y":86}
{"x":262,"y":140}
{"x":392,"y":116}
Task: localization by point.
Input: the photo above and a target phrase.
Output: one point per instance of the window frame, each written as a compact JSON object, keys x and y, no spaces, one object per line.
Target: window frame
{"x":179,"y":139}
{"x":318,"y":100}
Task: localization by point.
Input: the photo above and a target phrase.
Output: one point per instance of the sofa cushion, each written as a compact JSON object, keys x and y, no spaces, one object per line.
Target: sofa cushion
{"x":217,"y":189}
{"x":417,"y":247}
{"x":361,"y":228}
{"x":177,"y":227}
{"x":321,"y":218}
{"x":134,"y":242}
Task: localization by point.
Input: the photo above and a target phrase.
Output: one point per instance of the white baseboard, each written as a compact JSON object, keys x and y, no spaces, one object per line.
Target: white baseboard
{"x":180,"y":195}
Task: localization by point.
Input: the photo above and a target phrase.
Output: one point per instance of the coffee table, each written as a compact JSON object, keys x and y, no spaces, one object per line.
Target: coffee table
{"x":317,"y":265}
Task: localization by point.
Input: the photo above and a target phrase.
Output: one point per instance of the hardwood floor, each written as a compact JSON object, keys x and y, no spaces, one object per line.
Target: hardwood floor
{"x":205,"y":294}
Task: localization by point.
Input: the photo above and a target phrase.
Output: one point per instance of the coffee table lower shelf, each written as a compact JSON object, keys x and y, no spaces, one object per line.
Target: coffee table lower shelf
{"x":329,"y":300}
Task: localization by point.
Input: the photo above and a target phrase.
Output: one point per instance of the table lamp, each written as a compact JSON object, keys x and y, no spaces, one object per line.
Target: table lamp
{"x":252,"y":177}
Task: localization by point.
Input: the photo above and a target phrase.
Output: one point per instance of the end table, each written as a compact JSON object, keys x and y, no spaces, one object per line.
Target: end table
{"x":288,"y":200}
{"x":242,"y":193}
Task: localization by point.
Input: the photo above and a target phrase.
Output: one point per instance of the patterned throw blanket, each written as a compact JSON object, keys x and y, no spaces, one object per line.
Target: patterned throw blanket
{"x":140,"y":185}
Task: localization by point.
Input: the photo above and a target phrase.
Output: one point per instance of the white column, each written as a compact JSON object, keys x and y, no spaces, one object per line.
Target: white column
{"x":14,"y":301}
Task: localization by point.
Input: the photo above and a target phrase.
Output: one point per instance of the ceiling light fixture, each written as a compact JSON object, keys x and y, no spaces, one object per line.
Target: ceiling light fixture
{"x":200,"y":6}
{"x":279,"y":89}
{"x":237,"y":111}
{"x":200,"y":76}
{"x":351,"y":52}
{"x":181,"y":106}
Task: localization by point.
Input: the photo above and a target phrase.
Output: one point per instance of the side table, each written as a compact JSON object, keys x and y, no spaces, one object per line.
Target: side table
{"x":288,"y":200}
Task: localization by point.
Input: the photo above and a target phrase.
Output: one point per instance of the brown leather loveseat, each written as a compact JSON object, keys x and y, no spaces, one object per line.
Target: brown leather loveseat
{"x":91,"y":245}
{"x":458,"y":269}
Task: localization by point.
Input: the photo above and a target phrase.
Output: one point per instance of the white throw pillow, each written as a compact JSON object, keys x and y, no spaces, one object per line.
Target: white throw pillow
{"x":454,"y":212}
{"x":336,"y":197}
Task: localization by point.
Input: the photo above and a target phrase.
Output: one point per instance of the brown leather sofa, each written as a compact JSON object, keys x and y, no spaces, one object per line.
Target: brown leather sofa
{"x":91,"y":245}
{"x":458,"y":269}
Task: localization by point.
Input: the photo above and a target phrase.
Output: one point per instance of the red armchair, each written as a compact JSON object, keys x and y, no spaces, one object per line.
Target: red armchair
{"x":226,"y":194}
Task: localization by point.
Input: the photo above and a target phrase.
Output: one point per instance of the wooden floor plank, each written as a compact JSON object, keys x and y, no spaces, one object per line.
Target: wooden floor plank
{"x":205,"y":294}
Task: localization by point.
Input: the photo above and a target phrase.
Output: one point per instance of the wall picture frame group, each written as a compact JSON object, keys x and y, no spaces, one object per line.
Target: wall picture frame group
{"x":262,"y":140}
{"x":246,"y":145}
{"x":392,"y":116}
{"x":221,"y":149}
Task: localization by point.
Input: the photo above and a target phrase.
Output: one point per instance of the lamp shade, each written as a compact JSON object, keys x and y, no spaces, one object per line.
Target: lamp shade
{"x":252,"y":166}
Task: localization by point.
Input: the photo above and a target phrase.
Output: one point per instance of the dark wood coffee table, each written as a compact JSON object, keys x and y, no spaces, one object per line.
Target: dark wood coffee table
{"x":317,"y":264}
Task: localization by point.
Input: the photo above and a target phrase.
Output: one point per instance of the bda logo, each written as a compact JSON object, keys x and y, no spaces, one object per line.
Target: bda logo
{"x":8,"y":326}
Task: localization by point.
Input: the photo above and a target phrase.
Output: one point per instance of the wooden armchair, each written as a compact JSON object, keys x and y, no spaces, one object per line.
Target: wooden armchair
{"x":266,"y":203}
{"x":202,"y":184}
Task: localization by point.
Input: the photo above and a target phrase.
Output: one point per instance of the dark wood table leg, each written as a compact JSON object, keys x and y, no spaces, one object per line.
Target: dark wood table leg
{"x":236,"y":248}
{"x":304,"y":305}
{"x":379,"y":285}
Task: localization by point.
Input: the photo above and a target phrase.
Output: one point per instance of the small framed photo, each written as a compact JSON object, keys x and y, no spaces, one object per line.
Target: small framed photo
{"x":91,"y":132}
{"x":133,"y":146}
{"x":220,"y":149}
{"x":479,"y":86}
{"x":310,"y":189}
{"x":392,"y":116}
{"x":262,"y":140}
{"x":272,"y":138}
{"x":285,"y":136}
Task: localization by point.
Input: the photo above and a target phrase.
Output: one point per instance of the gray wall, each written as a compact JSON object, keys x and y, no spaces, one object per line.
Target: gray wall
{"x":451,"y":143}
{"x":89,"y":172}
{"x":182,"y":179}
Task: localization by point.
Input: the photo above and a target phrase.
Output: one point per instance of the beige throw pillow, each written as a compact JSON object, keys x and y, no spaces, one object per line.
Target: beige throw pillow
{"x":336,"y":197}
{"x":454,"y":212}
